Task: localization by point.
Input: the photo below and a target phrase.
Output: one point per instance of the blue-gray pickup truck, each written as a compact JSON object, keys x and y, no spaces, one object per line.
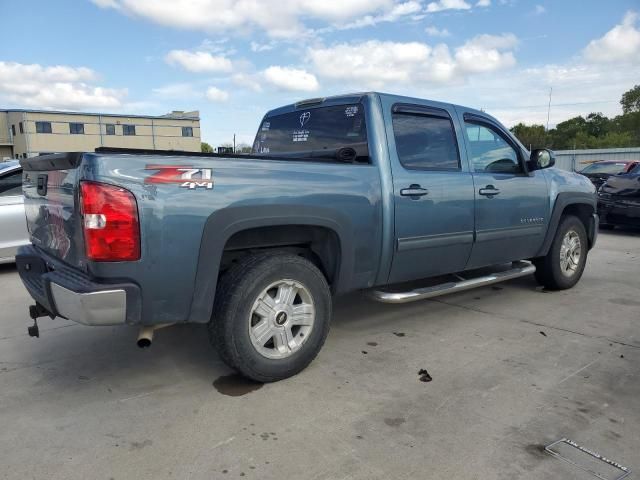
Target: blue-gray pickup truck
{"x":399,"y":197}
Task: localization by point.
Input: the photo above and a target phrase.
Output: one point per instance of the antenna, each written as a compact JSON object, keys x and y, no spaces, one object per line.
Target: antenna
{"x":549,"y":107}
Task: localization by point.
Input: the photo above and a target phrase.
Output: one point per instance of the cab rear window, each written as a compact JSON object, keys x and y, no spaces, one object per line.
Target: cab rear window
{"x":334,"y":133}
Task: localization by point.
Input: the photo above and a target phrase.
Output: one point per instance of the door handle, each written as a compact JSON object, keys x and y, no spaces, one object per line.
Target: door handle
{"x":489,"y":191}
{"x":414,"y":191}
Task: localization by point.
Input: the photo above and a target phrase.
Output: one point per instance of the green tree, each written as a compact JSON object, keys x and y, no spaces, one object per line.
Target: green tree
{"x":531,"y":136}
{"x":597,"y":125}
{"x":631,"y":100}
{"x":206,"y":148}
{"x":243,"y":148}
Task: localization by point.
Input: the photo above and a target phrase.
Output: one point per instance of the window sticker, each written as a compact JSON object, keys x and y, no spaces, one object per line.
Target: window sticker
{"x":351,"y":111}
{"x":304,"y":118}
{"x":300,"y":135}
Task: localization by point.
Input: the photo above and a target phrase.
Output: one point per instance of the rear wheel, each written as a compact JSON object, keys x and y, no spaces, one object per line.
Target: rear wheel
{"x":271,"y":316}
{"x":564,"y":264}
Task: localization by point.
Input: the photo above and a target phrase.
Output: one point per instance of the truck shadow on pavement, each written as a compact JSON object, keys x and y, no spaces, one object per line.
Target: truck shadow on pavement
{"x":107,"y":359}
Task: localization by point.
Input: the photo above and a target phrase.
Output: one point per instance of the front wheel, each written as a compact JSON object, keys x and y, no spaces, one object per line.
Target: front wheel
{"x":271,"y":315}
{"x":564,"y":263}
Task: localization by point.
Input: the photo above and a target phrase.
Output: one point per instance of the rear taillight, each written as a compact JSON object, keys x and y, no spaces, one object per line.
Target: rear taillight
{"x":110,"y":222}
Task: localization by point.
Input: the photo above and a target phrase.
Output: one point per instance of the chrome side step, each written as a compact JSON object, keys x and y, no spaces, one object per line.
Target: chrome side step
{"x":519,"y":269}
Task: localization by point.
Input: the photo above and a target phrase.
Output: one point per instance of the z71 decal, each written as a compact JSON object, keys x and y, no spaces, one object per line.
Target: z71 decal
{"x":184,"y":175}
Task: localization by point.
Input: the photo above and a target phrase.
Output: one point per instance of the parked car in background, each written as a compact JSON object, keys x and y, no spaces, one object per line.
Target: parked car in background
{"x":619,"y":200}
{"x":599,"y":172}
{"x":13,"y":225}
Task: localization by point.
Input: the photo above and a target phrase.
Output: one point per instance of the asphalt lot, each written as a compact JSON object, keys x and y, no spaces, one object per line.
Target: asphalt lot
{"x":513,"y":368}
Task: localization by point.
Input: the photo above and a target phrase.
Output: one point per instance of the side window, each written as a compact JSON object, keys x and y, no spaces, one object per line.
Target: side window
{"x":490,"y":152}
{"x":425,"y":142}
{"x":110,"y":129}
{"x":128,"y":130}
{"x":11,"y":184}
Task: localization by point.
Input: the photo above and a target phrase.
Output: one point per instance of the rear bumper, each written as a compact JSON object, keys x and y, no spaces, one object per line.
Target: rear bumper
{"x":70,"y":293}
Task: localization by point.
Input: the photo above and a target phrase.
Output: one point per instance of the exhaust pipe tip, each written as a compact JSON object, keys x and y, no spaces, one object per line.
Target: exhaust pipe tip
{"x":145,"y":337}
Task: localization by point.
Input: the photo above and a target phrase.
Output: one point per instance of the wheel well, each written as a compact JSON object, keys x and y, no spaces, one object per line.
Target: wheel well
{"x":320,"y":245}
{"x":583,"y":212}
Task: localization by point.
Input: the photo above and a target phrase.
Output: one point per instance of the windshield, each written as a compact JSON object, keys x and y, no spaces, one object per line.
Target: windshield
{"x":610,"y":168}
{"x":337,"y":132}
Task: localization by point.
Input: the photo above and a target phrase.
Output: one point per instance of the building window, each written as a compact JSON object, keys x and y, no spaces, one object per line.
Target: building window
{"x":187,"y":131}
{"x":43,"y":127}
{"x":128,"y":129}
{"x":13,"y":130}
{"x":21,"y":127}
{"x":111,"y":129}
{"x":76,"y":128}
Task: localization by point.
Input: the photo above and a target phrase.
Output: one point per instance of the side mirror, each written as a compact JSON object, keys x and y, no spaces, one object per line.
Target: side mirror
{"x":541,"y":158}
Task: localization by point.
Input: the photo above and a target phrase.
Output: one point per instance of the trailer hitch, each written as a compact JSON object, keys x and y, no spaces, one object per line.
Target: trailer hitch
{"x":36,"y":311}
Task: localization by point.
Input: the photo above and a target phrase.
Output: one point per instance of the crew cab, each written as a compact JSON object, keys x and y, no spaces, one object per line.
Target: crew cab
{"x":354,"y":192}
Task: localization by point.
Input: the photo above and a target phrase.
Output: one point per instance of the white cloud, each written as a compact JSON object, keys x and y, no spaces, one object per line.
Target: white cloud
{"x":376,"y":64}
{"x":58,"y":86}
{"x":291,"y":79}
{"x":441,"y":5}
{"x":437,"y":32}
{"x":279,"y":19}
{"x":262,"y":47}
{"x":539,"y":10}
{"x":198,"y":62}
{"x":620,"y":44}
{"x":410,"y":8}
{"x":484,"y":53}
{"x":483,"y":3}
{"x":216,"y":95}
{"x":247,"y":81}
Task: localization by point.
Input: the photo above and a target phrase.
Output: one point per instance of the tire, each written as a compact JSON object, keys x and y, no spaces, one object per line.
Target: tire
{"x":271,"y":316}
{"x":556,"y":271}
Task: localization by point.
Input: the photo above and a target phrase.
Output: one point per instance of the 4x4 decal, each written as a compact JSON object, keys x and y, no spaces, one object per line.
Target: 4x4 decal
{"x":184,"y":175}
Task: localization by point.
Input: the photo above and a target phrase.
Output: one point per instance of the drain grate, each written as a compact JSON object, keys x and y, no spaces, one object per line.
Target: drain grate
{"x":587,"y":460}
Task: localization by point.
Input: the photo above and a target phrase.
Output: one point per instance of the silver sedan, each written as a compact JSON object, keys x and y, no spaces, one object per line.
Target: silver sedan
{"x":13,"y":225}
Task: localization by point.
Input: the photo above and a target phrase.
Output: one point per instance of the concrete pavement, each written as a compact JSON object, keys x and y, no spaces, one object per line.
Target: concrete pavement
{"x":514,"y":368}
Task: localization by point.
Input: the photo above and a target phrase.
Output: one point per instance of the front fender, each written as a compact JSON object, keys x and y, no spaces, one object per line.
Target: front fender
{"x":562,"y":202}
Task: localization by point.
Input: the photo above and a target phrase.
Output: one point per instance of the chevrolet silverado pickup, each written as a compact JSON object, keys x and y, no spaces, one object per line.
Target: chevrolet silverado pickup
{"x":370,"y":192}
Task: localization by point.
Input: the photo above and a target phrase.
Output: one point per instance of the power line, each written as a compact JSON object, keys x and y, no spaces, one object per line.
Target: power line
{"x":555,"y":105}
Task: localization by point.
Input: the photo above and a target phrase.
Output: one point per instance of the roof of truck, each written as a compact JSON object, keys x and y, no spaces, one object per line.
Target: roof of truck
{"x":357,"y":97}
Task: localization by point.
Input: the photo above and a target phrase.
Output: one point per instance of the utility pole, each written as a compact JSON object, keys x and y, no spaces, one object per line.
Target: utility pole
{"x":549,"y":107}
{"x":234,"y":143}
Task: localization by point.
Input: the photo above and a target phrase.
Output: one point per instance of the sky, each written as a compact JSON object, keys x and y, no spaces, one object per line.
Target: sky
{"x":233,"y":60}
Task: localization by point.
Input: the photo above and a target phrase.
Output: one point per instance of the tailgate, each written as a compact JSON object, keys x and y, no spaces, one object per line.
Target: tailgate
{"x":50,"y":186}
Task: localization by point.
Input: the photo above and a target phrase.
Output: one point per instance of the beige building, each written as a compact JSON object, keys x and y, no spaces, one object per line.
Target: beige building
{"x":27,"y":133}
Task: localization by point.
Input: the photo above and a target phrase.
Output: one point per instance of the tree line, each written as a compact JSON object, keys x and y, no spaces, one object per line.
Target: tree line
{"x":593,"y":131}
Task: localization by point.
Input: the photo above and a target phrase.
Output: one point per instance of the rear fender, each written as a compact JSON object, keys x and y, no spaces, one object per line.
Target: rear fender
{"x":223,"y":224}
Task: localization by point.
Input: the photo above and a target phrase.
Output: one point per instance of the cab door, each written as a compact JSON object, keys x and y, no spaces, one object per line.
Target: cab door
{"x":432,"y":188}
{"x":512,"y":205}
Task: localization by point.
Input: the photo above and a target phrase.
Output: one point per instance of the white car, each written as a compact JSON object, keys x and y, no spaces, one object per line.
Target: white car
{"x":13,"y":225}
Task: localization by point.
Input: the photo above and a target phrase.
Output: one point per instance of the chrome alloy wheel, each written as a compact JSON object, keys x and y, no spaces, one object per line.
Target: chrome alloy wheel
{"x":281,"y":319}
{"x":570,"y":252}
